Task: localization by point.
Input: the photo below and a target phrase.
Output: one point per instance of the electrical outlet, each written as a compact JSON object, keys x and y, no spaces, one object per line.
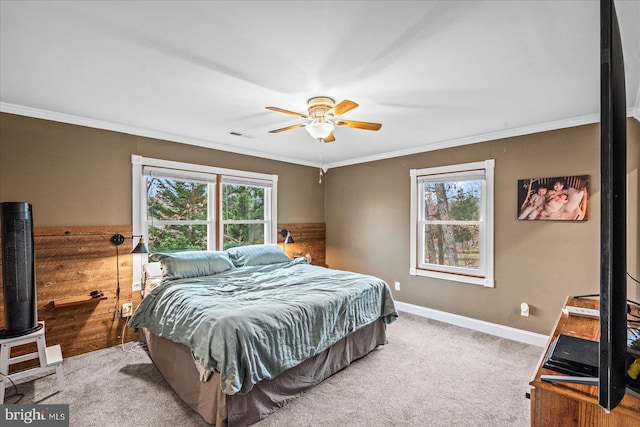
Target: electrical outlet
{"x":397,"y":284}
{"x":127,"y":309}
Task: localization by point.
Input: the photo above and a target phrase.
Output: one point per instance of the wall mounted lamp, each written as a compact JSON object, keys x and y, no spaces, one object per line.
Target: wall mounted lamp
{"x":287,"y":239}
{"x":141,"y":248}
{"x":287,"y":236}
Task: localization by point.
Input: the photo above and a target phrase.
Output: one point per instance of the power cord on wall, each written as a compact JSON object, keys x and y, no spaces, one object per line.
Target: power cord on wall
{"x":630,"y":312}
{"x":597,"y":295}
{"x":629,"y":308}
{"x":136,"y":346}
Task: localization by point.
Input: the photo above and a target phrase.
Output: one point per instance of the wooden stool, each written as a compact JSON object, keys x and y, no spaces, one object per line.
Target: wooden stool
{"x":50,"y":359}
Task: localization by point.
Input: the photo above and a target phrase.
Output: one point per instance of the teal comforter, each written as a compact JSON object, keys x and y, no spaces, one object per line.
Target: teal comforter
{"x":252,"y":323}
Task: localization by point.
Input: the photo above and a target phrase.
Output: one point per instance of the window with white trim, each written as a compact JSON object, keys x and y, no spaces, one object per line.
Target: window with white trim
{"x":452,"y":222}
{"x":181,"y":206}
{"x":244,"y":203}
{"x":179,"y":209}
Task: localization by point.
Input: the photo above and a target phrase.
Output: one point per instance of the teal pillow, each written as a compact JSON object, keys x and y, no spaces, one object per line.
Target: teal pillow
{"x":243,"y":256}
{"x":183,"y":265}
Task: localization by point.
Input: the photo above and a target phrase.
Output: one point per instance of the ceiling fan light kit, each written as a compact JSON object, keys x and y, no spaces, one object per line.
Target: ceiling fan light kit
{"x":320,"y":130}
{"x":323,"y":112}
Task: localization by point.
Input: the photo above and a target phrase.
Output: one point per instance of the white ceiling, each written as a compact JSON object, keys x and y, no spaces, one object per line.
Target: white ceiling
{"x":434,"y":73}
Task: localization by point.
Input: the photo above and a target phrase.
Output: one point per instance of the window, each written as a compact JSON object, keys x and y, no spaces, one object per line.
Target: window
{"x":181,"y":206}
{"x":179,"y":211}
{"x":452,"y":222}
{"x":243,"y":212}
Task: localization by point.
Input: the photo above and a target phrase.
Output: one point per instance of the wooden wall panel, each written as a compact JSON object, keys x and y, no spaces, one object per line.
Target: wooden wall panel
{"x":73,"y":261}
{"x":310,"y":238}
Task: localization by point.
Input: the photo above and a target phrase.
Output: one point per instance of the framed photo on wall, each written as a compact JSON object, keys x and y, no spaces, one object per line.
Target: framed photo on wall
{"x":564,"y":198}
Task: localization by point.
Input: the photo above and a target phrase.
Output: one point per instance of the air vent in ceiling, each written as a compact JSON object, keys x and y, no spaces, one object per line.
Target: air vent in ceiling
{"x":244,"y":135}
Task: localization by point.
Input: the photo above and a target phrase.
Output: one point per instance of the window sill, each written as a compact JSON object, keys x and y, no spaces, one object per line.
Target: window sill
{"x":482,"y":281}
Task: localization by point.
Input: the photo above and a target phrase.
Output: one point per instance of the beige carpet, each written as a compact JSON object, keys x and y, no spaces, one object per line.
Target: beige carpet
{"x":429,"y":374}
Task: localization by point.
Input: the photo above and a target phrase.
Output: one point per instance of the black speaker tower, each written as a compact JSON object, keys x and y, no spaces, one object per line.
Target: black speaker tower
{"x":18,"y":270}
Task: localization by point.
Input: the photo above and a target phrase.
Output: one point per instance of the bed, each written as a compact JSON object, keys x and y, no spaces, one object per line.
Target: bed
{"x":237,"y":333}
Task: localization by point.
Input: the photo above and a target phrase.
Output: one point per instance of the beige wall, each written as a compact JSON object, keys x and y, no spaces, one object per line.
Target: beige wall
{"x":74,"y":175}
{"x":538,"y":262}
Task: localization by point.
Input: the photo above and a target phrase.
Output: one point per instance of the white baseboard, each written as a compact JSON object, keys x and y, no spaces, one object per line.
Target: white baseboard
{"x":475,"y":324}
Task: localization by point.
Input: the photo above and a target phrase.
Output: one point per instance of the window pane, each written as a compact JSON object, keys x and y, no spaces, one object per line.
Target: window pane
{"x":452,"y":200}
{"x":185,"y":207}
{"x":452,"y":245}
{"x":242,"y":235}
{"x":172,"y":238}
{"x":176,"y":200}
{"x":242,"y":202}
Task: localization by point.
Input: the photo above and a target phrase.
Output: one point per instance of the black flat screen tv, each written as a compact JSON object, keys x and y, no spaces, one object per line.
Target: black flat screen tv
{"x":613,"y":213}
{"x":612,"y":347}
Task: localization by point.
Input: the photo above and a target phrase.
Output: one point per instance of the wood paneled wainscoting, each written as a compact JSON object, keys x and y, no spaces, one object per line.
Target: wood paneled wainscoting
{"x":71,"y":262}
{"x":309,"y":238}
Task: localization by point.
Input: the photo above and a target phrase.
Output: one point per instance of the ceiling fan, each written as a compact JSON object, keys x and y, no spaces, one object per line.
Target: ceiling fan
{"x":323,"y":116}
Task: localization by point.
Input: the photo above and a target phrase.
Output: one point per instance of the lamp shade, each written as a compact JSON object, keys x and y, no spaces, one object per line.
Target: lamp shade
{"x":140,"y":248}
{"x":320,"y":130}
{"x":287,"y":236}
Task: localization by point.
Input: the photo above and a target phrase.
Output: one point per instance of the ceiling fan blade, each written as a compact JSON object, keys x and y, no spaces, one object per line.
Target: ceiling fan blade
{"x":299,"y":125}
{"x":341,"y":108}
{"x":293,"y":113}
{"x":330,"y":138}
{"x":358,"y":125}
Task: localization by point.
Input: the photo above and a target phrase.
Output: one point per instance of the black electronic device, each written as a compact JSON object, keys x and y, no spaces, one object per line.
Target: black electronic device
{"x":96,"y":294}
{"x":613,"y":212}
{"x":18,"y":270}
{"x":612,"y":380}
{"x":573,"y":356}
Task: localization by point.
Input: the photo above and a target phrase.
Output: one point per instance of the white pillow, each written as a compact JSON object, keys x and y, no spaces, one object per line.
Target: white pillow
{"x":151,"y":276}
{"x":152,"y":269}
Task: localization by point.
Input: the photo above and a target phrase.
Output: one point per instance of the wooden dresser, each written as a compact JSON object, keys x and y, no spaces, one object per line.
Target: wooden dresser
{"x":568,"y":405}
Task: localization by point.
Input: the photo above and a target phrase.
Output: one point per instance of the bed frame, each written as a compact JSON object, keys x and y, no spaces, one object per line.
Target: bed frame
{"x":176,"y":364}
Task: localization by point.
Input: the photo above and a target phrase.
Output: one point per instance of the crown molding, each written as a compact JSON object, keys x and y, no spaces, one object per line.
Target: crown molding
{"x":132,"y":130}
{"x":491,"y":136}
{"x":147,"y":133}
